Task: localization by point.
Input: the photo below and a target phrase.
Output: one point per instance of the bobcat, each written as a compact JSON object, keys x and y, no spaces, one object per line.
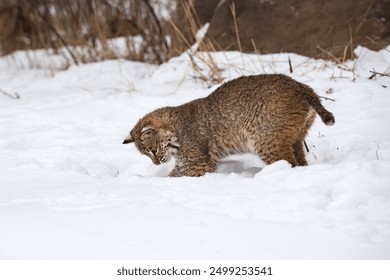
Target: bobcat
{"x":267,"y":114}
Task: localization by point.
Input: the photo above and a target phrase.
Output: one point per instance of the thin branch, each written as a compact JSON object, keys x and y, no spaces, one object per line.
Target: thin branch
{"x":160,"y":30}
{"x":365,"y":16}
{"x":326,"y":98}
{"x":233,"y":11}
{"x":374,"y":73}
{"x":343,"y":67}
{"x":12,"y":96}
{"x":177,"y":29}
{"x":379,"y":45}
{"x":330,"y":54}
{"x":376,"y":151}
{"x":290,"y":65}
{"x":307,"y":148}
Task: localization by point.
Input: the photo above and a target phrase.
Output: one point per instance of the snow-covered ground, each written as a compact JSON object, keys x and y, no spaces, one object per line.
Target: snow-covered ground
{"x":69,"y":189}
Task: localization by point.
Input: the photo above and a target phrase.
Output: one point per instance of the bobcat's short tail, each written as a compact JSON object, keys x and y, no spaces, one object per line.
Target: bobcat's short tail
{"x":313,"y":100}
{"x":326,"y":116}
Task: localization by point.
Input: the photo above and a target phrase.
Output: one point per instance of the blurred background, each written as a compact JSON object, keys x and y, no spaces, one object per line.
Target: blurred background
{"x":153,"y":31}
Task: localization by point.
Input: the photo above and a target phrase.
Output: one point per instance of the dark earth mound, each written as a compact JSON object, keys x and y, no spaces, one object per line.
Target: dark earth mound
{"x":320,"y":28}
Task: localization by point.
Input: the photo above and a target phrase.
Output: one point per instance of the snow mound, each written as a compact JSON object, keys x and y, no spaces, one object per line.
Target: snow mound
{"x":70,"y":189}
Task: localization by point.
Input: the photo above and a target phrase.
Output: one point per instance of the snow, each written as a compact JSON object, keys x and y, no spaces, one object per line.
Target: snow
{"x":69,"y":189}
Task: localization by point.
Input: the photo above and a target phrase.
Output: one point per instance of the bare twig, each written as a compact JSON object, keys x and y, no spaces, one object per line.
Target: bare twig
{"x":258,"y":54}
{"x":315,"y":157}
{"x":381,"y":46}
{"x":12,"y":96}
{"x":336,"y":59}
{"x":376,"y":151}
{"x":307,"y":148}
{"x":343,"y":67}
{"x":254,"y":47}
{"x":351,"y":41}
{"x":233,"y":11}
{"x":326,"y":98}
{"x":290,"y":65}
{"x":344,"y":54}
{"x":160,"y":30}
{"x":374,"y":73}
{"x":177,"y":29}
{"x":364,"y":16}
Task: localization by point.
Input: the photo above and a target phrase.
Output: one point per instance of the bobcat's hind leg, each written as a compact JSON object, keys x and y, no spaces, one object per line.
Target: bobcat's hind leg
{"x":298,"y":146}
{"x":299,"y":153}
{"x":272,"y":152}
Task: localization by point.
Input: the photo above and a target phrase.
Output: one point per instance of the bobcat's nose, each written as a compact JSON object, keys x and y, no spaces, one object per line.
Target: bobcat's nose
{"x":155,"y":160}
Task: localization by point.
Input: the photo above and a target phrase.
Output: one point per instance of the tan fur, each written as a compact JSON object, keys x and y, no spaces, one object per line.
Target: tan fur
{"x":267,"y":114}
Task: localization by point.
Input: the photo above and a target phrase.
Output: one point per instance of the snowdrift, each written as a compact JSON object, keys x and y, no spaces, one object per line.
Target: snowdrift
{"x":69,"y":189}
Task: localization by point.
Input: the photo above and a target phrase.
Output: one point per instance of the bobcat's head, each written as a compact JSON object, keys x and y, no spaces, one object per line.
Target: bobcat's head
{"x":154,"y":140}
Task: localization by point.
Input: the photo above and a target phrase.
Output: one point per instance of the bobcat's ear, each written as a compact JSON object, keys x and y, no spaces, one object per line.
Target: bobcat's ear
{"x":148,"y":129}
{"x":129,"y":139}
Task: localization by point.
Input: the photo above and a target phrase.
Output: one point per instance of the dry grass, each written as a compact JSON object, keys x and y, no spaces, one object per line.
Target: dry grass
{"x":341,"y":60}
{"x":202,"y":62}
{"x":233,"y":11}
{"x":81,"y":30}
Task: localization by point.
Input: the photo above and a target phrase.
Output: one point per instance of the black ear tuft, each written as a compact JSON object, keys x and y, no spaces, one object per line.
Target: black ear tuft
{"x":129,"y":139}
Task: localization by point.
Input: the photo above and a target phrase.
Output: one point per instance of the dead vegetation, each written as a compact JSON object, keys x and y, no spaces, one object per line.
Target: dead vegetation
{"x":81,"y":30}
{"x":84,"y":31}
{"x":199,"y":47}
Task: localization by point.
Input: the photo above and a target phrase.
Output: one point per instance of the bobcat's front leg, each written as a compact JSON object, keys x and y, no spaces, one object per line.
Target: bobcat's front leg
{"x":193,"y":168}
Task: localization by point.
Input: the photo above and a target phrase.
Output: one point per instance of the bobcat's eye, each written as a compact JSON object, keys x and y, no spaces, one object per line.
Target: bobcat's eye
{"x":153,"y":150}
